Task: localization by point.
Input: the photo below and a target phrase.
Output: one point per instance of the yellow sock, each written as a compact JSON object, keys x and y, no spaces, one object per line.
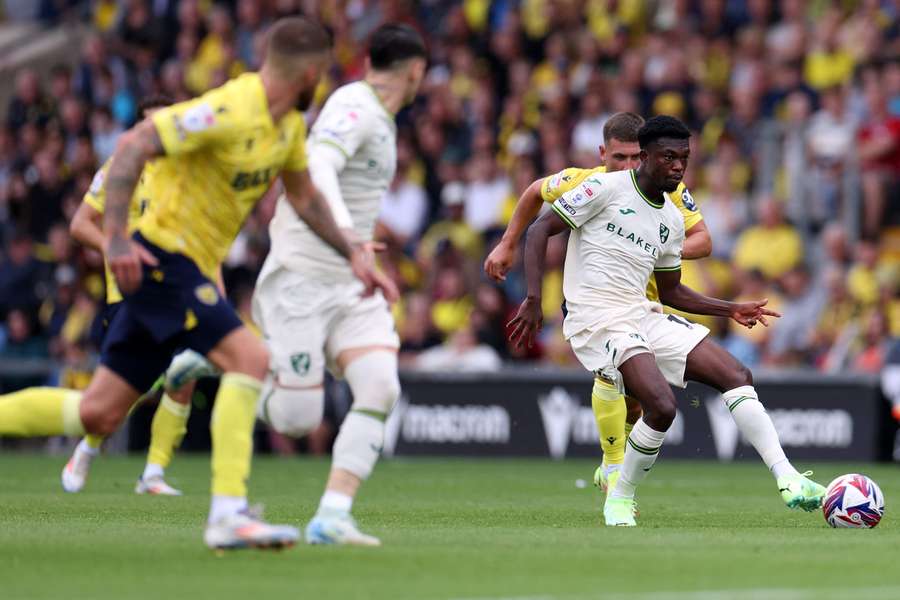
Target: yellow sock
{"x":167,"y":430}
{"x":93,"y":440}
{"x":232,"y":433}
{"x":609,"y":411}
{"x":40,"y":411}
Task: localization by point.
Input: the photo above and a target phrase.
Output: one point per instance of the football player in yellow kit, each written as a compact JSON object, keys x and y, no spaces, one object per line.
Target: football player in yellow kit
{"x":615,"y":415}
{"x":222,"y":150}
{"x":170,"y":419}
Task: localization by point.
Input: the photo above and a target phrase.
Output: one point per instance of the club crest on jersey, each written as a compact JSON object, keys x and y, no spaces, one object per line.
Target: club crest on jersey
{"x":663,"y":233}
{"x":207,"y":294}
{"x":300,"y":363}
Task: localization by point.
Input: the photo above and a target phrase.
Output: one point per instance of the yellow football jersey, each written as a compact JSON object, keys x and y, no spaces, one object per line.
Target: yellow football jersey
{"x":556,"y":185}
{"x":140,"y":201}
{"x":224,"y":151}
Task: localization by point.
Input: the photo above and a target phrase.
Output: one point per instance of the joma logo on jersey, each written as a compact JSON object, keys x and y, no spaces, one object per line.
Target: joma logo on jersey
{"x":638,"y":241}
{"x":244,"y":180}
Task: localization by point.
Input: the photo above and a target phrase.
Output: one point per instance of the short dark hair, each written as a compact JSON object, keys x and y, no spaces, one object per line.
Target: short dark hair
{"x":154,"y":101}
{"x":662,"y":126}
{"x":296,"y":36}
{"x":395,"y":42}
{"x":622,"y":126}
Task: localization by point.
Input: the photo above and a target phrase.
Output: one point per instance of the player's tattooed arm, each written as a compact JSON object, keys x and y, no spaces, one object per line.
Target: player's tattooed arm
{"x":311,"y":206}
{"x":530,"y":318}
{"x":136,"y":146}
{"x":673,"y":293}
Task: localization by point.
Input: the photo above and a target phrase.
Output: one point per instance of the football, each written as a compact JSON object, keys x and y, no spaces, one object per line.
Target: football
{"x":853,"y":501}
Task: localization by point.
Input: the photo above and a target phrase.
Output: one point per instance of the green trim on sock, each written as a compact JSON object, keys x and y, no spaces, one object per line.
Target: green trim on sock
{"x":380,"y":416}
{"x":642,"y":449}
{"x":734,"y":404}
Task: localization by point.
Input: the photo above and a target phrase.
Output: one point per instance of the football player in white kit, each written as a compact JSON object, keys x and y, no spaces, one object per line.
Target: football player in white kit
{"x":625,"y":229}
{"x":307,"y":302}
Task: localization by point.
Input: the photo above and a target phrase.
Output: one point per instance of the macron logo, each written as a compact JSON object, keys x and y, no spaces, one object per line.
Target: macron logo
{"x":558,"y":412}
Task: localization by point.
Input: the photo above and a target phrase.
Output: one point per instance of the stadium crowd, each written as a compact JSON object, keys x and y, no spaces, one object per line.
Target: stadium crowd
{"x":795,"y":165}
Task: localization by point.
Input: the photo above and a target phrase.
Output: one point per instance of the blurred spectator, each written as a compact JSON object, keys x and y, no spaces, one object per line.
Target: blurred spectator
{"x":879,"y":151}
{"x":452,"y":229}
{"x":461,"y":353}
{"x":19,"y":274}
{"x":21,"y":343}
{"x":773,"y":247}
{"x":28,"y":104}
{"x":829,"y":138}
{"x":862,"y":280}
{"x":405,"y":206}
{"x":725,"y":212}
{"x":873,"y":345}
{"x":792,"y":334}
{"x":487,"y":190}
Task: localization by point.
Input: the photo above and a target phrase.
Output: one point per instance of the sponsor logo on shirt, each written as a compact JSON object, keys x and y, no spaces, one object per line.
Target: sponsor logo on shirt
{"x":688,"y":200}
{"x":631,"y":237}
{"x":198,"y":118}
{"x":569,"y":209}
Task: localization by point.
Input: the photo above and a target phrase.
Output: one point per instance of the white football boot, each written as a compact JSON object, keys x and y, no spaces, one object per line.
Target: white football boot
{"x":246,"y":529}
{"x":75,"y":473}
{"x":337,"y":528}
{"x":155,"y":486}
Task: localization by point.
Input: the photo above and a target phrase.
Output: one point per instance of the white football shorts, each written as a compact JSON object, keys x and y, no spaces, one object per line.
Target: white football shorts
{"x":307,"y":323}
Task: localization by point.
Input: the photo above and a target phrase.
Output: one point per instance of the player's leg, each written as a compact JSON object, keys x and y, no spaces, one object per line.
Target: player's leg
{"x":711,"y":364}
{"x":167,"y":430}
{"x":169,"y":423}
{"x":371,"y":373}
{"x":76,"y":471}
{"x":643,"y":381}
{"x":609,"y":409}
{"x":243,"y":360}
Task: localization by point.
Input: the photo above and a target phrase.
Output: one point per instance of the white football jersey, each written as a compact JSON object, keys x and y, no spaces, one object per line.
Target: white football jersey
{"x":619,"y":238}
{"x":356,"y":124}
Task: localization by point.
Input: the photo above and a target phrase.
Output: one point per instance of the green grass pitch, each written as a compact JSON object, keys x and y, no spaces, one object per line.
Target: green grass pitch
{"x":452,"y":529}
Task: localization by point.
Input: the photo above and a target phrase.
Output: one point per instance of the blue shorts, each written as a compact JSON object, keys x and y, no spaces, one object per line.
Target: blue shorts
{"x":101,"y":323}
{"x":175,"y":307}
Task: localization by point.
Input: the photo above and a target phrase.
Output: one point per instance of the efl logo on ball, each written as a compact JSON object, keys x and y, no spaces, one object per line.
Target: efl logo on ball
{"x":853,"y":501}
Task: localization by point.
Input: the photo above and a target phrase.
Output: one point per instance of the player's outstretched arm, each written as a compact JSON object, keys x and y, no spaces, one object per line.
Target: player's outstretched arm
{"x":673,"y":293}
{"x":501,"y":258}
{"x":313,"y":208}
{"x":136,"y":146}
{"x":530,"y":317}
{"x":85,"y":227}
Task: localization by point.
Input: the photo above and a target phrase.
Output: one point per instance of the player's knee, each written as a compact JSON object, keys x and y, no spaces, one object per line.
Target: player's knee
{"x":373,"y":379}
{"x":292,"y":412}
{"x":253,"y":362}
{"x":744,"y":375}
{"x":99,"y":419}
{"x":661,"y":413}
